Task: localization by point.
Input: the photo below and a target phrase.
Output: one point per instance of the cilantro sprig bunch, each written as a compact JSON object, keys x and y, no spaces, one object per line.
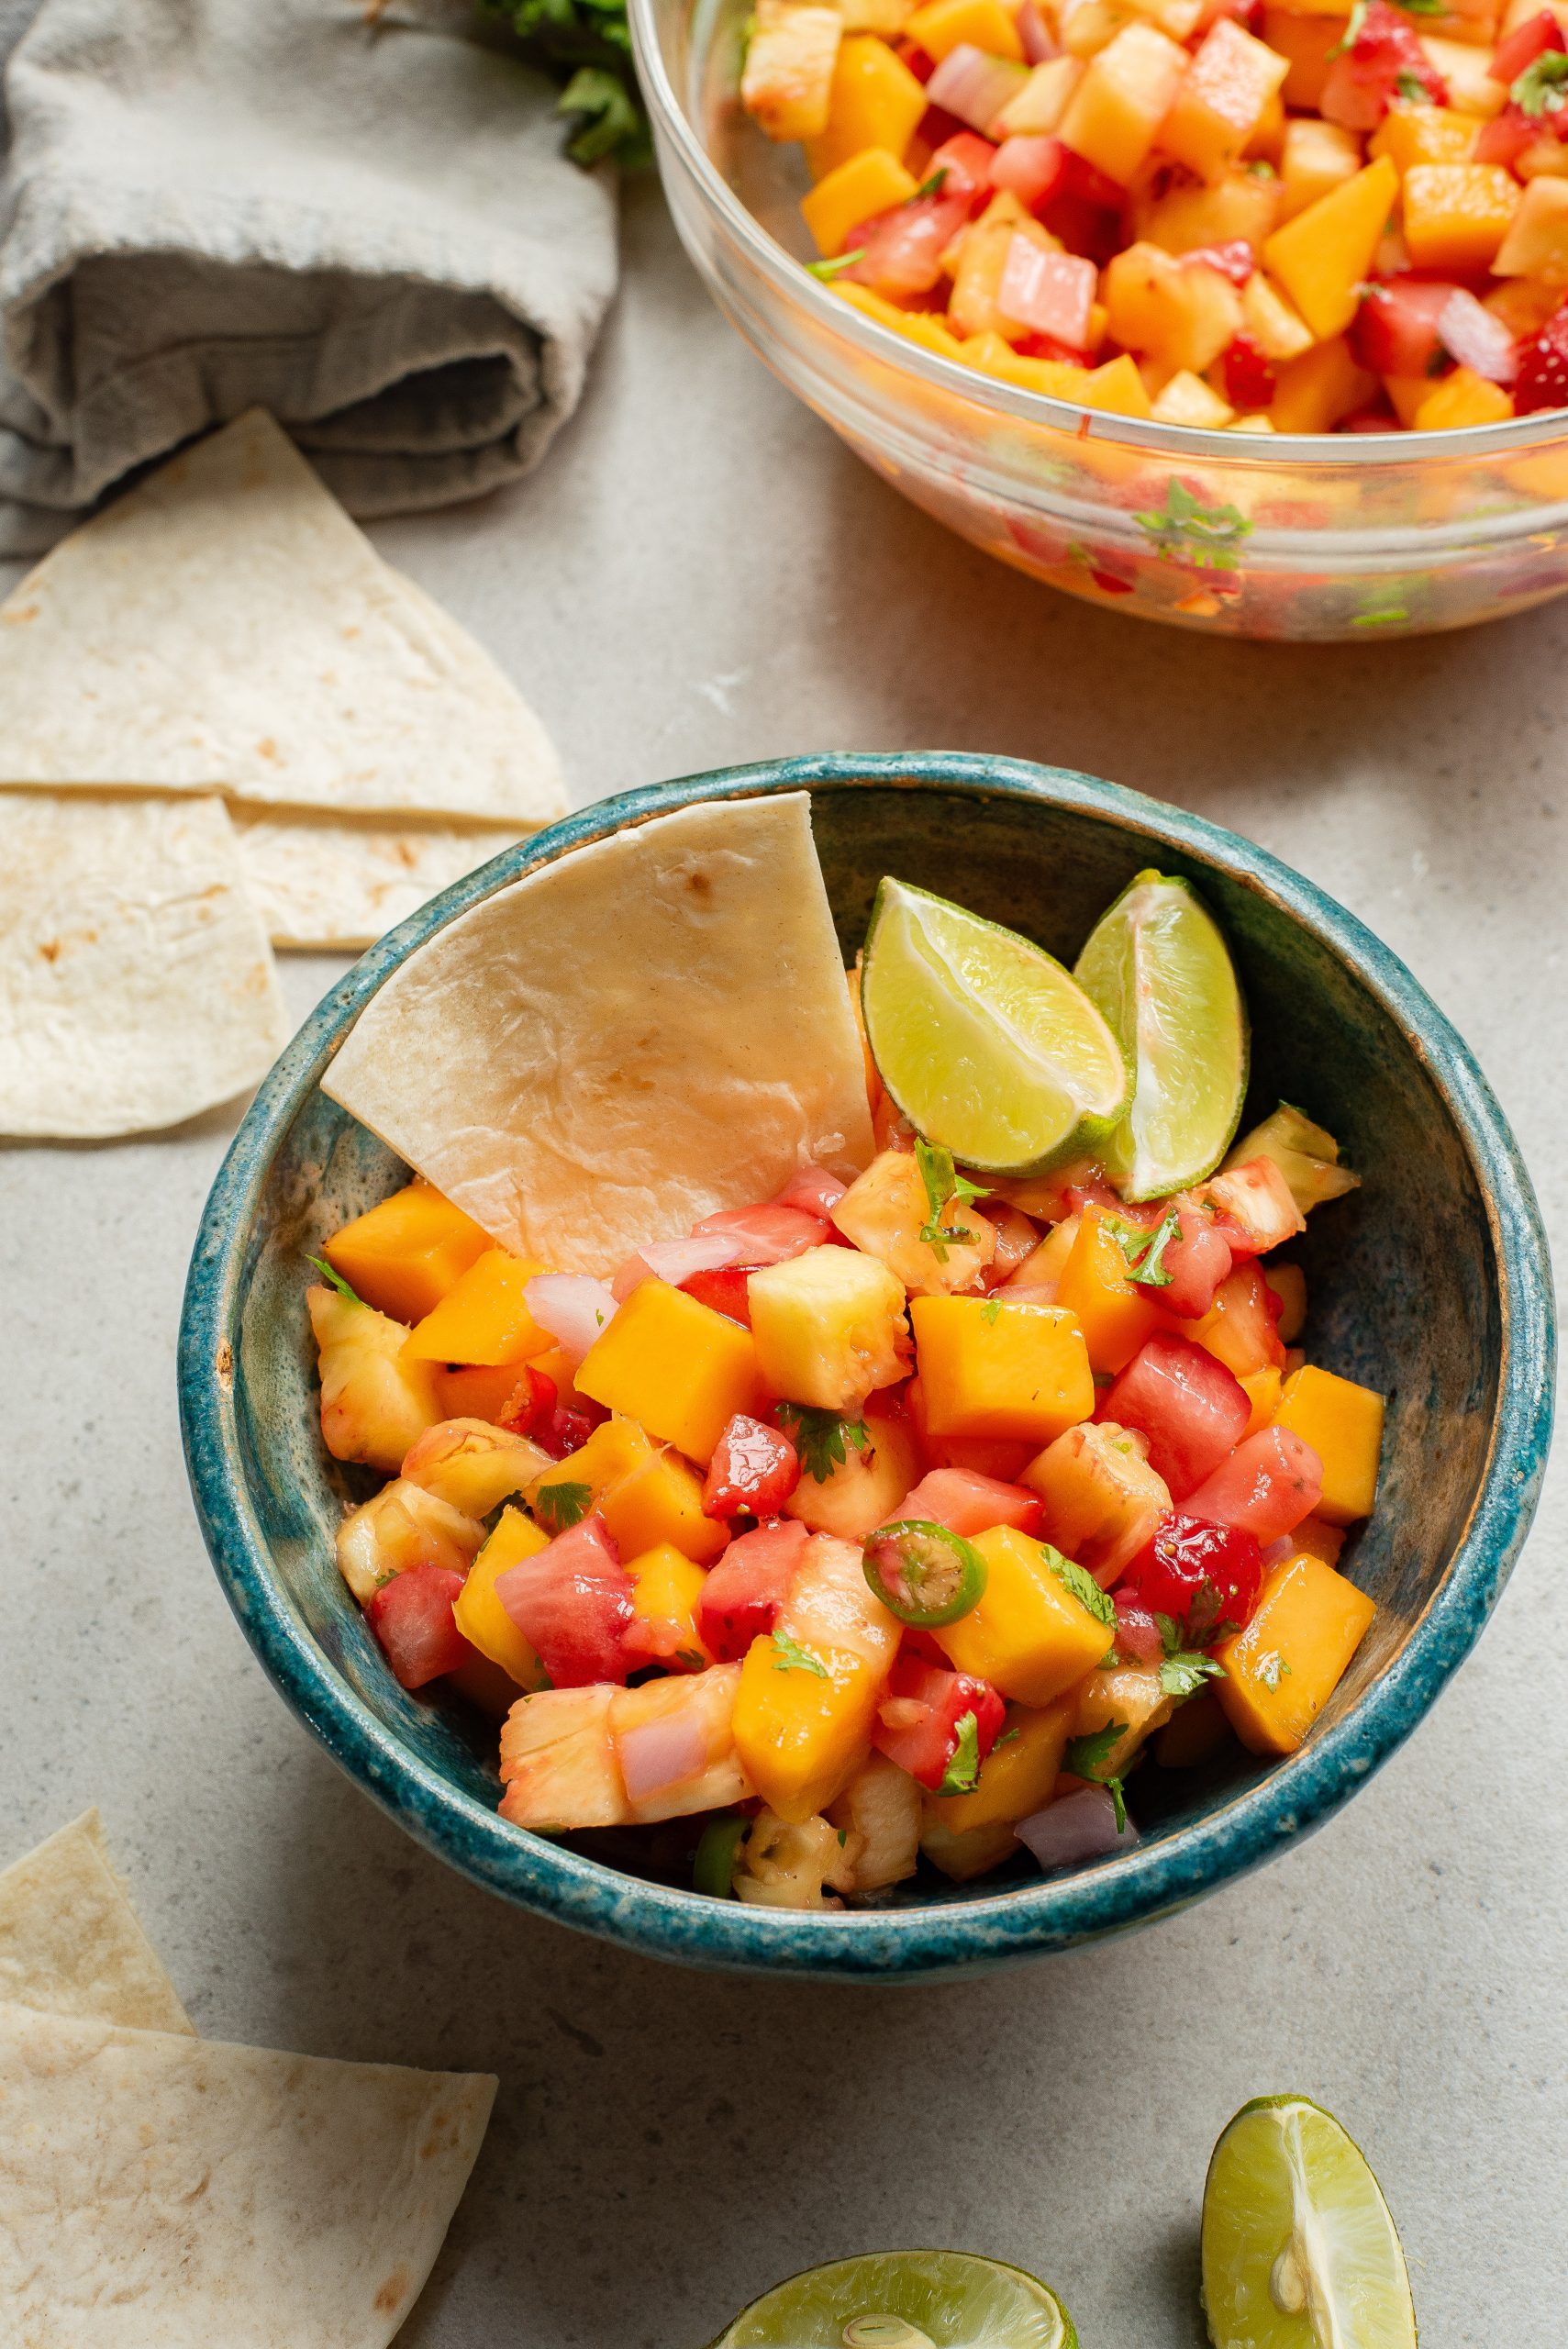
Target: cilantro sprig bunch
{"x":943,"y":1184}
{"x":823,"y":1439}
{"x":586,"y":46}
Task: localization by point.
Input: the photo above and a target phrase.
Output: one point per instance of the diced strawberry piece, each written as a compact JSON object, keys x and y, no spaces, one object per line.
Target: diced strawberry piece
{"x":412,"y":1617}
{"x":745,"y":1588}
{"x":966,"y":1502}
{"x":1043,"y":346}
{"x":725,"y":1289}
{"x":1031,"y":166}
{"x":572,"y":1601}
{"x":1395,"y":330}
{"x":1524,"y":45}
{"x":531,"y":1403}
{"x":901,"y":253}
{"x":922,"y":1713}
{"x":1268,"y":1485}
{"x":1191,"y":1407}
{"x":770,"y":1235}
{"x":964,"y":160}
{"x":1543,"y":379}
{"x":1203,"y":1576}
{"x":753,"y":1470}
{"x":1250,"y":376}
{"x":569,"y":1427}
{"x":922,"y":64}
{"x":1381,"y":63}
{"x":1505,"y":137}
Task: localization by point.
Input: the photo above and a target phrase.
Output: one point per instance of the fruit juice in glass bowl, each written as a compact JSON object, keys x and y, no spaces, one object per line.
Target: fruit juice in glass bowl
{"x":1297,"y":535}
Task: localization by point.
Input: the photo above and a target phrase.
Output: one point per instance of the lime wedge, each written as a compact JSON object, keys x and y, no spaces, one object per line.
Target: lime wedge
{"x":985,"y":1043}
{"x":905,"y":2300}
{"x":1158,"y":968}
{"x":1299,"y":2251}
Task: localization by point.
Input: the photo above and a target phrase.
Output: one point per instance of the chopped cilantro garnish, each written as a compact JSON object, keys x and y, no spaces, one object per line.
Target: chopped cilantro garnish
{"x":843,"y":1837}
{"x":962,"y":1772}
{"x":1006,"y":1739}
{"x":1352,"y":31}
{"x":836,"y":266}
{"x":335,"y":1279}
{"x":990,"y":1309}
{"x":1272,"y":1668}
{"x":792,"y":1657}
{"x":1081,"y":1585}
{"x":943,"y":1183}
{"x":1110,"y":1659}
{"x":1086,"y":1756}
{"x":692,"y":1659}
{"x":1119,"y":1804}
{"x":1183,"y":1673}
{"x":1543,"y":87}
{"x":933,"y":186}
{"x":561,"y":1505}
{"x":1185,"y":529}
{"x":1145,"y":1249}
{"x":823,"y":1439}
{"x":1412,"y":89}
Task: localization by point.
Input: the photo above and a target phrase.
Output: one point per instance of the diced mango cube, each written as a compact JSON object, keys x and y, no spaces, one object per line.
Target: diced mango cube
{"x":479,"y":1614}
{"x":787,"y":80}
{"x":1343,"y":1423}
{"x":1262,"y":1389}
{"x":1222,"y":101}
{"x":483,"y":1317}
{"x":1324,"y":383}
{"x":1281,"y":1670}
{"x":1122,"y":99}
{"x":914,"y":326}
{"x":1318,"y":156}
{"x":645,"y":1493}
{"x":1102,"y":1501}
{"x":1321,"y":257}
{"x":827,"y":1328}
{"x":476,"y":1390}
{"x":1116,"y":389}
{"x":1027,"y":1634}
{"x":874,"y":104}
{"x":1321,"y":1539}
{"x":809,"y":1689}
{"x":675,"y":1365}
{"x":869,"y":182}
{"x":1308,"y":43}
{"x":1409,"y":135}
{"x":1016,"y":1777}
{"x":1179,"y":314}
{"x":1537,"y":243}
{"x":1460,"y":400}
{"x":404,"y":1254}
{"x":947,"y":25}
{"x":1288,"y":1283}
{"x":1115,"y":1313}
{"x":1457,"y":216}
{"x":989,"y":1367}
{"x":667,"y":1591}
{"x":1184,"y":215}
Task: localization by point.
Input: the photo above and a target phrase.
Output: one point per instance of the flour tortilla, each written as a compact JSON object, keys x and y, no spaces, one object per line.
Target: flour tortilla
{"x":655,"y":1027}
{"x":318,"y":881}
{"x":70,"y":1944}
{"x":224,"y":625}
{"x":165,"y":2192}
{"x":136,"y":983}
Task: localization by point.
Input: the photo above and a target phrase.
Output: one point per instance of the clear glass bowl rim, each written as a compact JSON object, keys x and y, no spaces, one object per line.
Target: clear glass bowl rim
{"x":1308,"y":449}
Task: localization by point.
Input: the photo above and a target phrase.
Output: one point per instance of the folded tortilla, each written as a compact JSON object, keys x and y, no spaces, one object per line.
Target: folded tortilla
{"x":71,"y":1942}
{"x":164,"y":2192}
{"x":225,"y":625}
{"x":135,"y":983}
{"x":653,"y":1027}
{"x":322,"y":881}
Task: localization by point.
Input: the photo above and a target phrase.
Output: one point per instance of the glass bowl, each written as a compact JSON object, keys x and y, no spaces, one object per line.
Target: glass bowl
{"x":1310,"y":537}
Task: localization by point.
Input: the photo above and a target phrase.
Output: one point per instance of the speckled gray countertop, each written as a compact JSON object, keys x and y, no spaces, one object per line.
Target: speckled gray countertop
{"x":699,"y":576}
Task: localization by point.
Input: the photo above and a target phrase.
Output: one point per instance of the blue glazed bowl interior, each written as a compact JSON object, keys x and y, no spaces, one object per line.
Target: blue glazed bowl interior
{"x":1429,"y":1284}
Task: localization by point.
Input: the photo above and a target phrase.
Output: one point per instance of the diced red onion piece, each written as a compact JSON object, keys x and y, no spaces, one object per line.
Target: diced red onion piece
{"x":674,"y":1261}
{"x":573,"y":1308}
{"x":813,"y":1189}
{"x":661,"y":1754}
{"x":973,"y":86}
{"x":1470,"y":332}
{"x":1080,"y":1827}
{"x":1052,"y":293}
{"x":1039,"y":45}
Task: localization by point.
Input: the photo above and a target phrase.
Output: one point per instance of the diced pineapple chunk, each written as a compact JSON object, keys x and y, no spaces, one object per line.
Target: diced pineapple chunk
{"x":1179,"y":312}
{"x":1102,"y":1501}
{"x":1318,"y":156}
{"x":792,"y":1864}
{"x":558,"y":1762}
{"x":1184,"y":215}
{"x":1185,"y":399}
{"x":1123,"y":98}
{"x":374,"y":1403}
{"x":943,"y":25}
{"x":1038,"y":109}
{"x":1027,"y":1634}
{"x":403,"y":1525}
{"x":787,"y":81}
{"x":885,"y":1211}
{"x":674,"y":1364}
{"x":1537,"y":241}
{"x":1131,"y":1696}
{"x":879,"y":1815}
{"x":1279,"y":333}
{"x":1219,"y":105}
{"x":828,"y":1327}
{"x":973,"y":1853}
{"x":472,"y":1464}
{"x":867,"y":1486}
{"x":674,"y":1745}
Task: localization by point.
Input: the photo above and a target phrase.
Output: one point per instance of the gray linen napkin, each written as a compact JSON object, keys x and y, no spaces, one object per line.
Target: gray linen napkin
{"x":211,"y":205}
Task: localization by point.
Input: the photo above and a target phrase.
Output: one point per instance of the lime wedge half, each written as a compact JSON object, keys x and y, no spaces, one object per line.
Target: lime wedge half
{"x":1158,"y":968}
{"x":1300,"y":2250}
{"x":905,"y":2300}
{"x":985,"y":1043}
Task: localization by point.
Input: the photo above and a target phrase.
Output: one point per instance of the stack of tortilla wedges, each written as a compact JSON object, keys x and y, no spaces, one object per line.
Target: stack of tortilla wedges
{"x":160,"y":2191}
{"x":225,"y":724}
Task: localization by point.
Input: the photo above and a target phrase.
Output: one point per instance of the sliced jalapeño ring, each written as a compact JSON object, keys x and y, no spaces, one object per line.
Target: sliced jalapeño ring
{"x":923,"y":1573}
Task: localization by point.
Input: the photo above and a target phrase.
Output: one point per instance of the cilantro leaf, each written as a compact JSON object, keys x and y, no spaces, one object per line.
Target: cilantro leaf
{"x":1119,"y":1804}
{"x":1144,"y":1249}
{"x":943,"y":1183}
{"x":1185,"y":1673}
{"x":823,"y":1439}
{"x":1006,"y":1739}
{"x":1171,"y":1637}
{"x":933,"y":186}
{"x":562,"y":1505}
{"x":1083,"y":1585}
{"x":962,"y":1772}
{"x":828,"y":269}
{"x":1412,"y":89}
{"x":990,"y":1309}
{"x":1352,"y":31}
{"x":586,"y":44}
{"x":1271,"y":1669}
{"x":1186,"y":531}
{"x":335,"y":1280}
{"x":1086,"y":1756}
{"x":1543,"y":87}
{"x":792,"y":1657}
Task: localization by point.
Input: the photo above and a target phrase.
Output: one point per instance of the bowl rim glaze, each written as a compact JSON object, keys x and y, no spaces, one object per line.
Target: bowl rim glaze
{"x":982,"y":1929}
{"x":1307,"y":449}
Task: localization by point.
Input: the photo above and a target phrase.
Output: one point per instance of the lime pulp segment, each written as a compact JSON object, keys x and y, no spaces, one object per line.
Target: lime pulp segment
{"x":1299,"y":2248}
{"x":905,"y":2300}
{"x":1158,"y":968}
{"x":985,"y":1043}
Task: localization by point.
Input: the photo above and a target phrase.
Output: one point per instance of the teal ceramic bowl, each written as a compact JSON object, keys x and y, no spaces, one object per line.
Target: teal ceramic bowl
{"x":1431,"y":1283}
